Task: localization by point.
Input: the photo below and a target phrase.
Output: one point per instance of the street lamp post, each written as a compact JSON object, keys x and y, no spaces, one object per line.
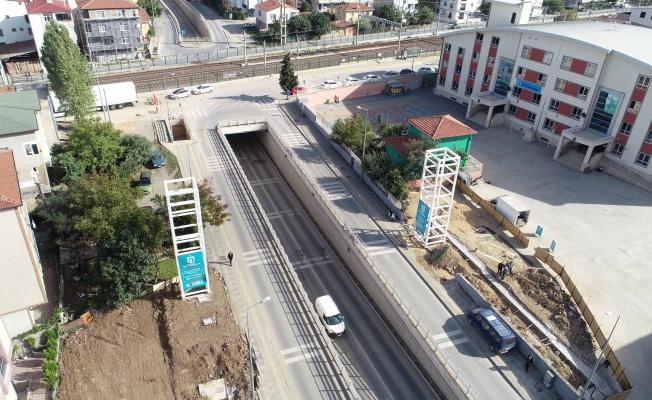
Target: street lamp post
{"x":188,"y":154}
{"x":165,"y":92}
{"x":251,"y":359}
{"x":364,"y":142}
{"x":597,"y":362}
{"x":357,"y":35}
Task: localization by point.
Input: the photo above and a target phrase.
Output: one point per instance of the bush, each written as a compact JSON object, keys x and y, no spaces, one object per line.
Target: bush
{"x":50,"y":369}
{"x":31,"y":341}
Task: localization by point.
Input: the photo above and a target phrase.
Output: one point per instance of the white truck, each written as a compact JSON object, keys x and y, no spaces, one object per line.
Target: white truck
{"x":108,"y":96}
{"x":512,"y":209}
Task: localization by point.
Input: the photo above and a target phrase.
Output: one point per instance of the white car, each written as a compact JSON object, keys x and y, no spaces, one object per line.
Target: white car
{"x":179,"y":93}
{"x":202,"y":89}
{"x":351,"y":81}
{"x":331,"y":84}
{"x":372,"y":78}
{"x":249,"y":24}
{"x":427,"y":70}
{"x":390,"y":74}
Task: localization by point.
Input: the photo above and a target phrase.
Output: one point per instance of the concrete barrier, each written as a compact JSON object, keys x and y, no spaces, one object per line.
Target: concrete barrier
{"x":195,"y":18}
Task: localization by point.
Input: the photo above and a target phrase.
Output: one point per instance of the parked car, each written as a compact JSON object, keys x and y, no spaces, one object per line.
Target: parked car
{"x":390,"y":74}
{"x":494,"y":330}
{"x":299,"y":89}
{"x":351,"y":81}
{"x":427,"y":70}
{"x":372,"y":78}
{"x":202,"y":89}
{"x":407,"y":71}
{"x":157,"y":159}
{"x":331,"y":84}
{"x":179,"y":93}
{"x":145,"y":182}
{"x":249,"y":24}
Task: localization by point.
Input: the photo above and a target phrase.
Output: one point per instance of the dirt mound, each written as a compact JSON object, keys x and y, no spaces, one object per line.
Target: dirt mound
{"x":155,"y":347}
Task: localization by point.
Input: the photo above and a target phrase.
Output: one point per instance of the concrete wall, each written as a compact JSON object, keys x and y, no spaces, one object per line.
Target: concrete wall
{"x":356,"y":91}
{"x":16,"y":21}
{"x":7,"y":391}
{"x":195,"y":18}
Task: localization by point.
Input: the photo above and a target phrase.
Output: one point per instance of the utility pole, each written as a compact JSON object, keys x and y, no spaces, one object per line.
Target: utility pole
{"x":357,"y":35}
{"x":264,"y":58}
{"x":245,"y":46}
{"x":283,"y":24}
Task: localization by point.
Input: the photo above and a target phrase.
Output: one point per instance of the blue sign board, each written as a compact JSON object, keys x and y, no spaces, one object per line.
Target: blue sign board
{"x":182,"y":31}
{"x":192,"y":270}
{"x":552,"y":246}
{"x":423,"y":212}
{"x":539,"y":230}
{"x":528,"y":86}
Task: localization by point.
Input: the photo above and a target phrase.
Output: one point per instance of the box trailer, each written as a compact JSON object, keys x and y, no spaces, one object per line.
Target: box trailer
{"x":108,"y":96}
{"x":512,"y":209}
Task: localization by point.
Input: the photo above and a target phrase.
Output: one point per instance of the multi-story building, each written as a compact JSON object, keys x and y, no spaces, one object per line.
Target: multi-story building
{"x":109,"y":30}
{"x":21,"y":275}
{"x":641,"y":16}
{"x":269,"y":11}
{"x":581,"y":86}
{"x":351,"y":11}
{"x":40,"y":12}
{"x":401,"y":5}
{"x":458,"y":11}
{"x":7,"y":391}
{"x":14,"y":23}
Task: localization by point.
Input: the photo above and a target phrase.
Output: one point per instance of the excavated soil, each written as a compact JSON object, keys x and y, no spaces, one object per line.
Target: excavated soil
{"x":534,"y":286}
{"x":155,"y":347}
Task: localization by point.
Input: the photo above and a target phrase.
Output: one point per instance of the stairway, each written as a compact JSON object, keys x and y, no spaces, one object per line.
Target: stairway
{"x":161,"y":133}
{"x":479,"y":117}
{"x":572,"y":158}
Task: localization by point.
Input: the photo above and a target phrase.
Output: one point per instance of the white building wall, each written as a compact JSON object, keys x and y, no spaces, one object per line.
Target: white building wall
{"x":13,"y":23}
{"x":7,"y":391}
{"x":641,"y":16}
{"x":501,"y":14}
{"x":38,"y":22}
{"x":457,"y":11}
{"x":24,"y":161}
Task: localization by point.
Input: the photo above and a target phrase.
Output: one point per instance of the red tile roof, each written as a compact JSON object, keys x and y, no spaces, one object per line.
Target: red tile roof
{"x":441,"y":126}
{"x":143,"y":16}
{"x":270,"y":5}
{"x":342,"y":23}
{"x":398,"y":142}
{"x":354,"y":7}
{"x":9,"y":187}
{"x":106,"y":4}
{"x":47,"y":7}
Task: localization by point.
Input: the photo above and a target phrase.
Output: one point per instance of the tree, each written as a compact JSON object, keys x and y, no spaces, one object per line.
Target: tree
{"x":350,"y":132}
{"x":225,"y":7}
{"x":136,"y":151}
{"x":321,"y":24}
{"x":554,"y":6}
{"x":485,"y":7}
{"x":213,"y":211}
{"x":54,"y":211}
{"x":396,"y":185}
{"x":121,"y":268}
{"x":152,"y":7}
{"x":415,"y":150}
{"x":392,"y":129}
{"x":305,"y":6}
{"x":68,"y":71}
{"x":95,"y":145}
{"x":390,"y":12}
{"x":365,"y":26}
{"x":425,"y":15}
{"x":66,"y":168}
{"x":274,"y":31}
{"x":300,"y":23}
{"x":377,"y":164}
{"x":287,"y":78}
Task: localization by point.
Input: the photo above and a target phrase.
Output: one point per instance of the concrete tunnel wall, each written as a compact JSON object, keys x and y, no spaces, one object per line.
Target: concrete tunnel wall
{"x":195,"y":19}
{"x":396,"y":314}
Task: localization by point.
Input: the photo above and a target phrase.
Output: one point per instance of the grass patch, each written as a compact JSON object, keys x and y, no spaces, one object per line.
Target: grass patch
{"x":171,"y":162}
{"x":167,"y":268}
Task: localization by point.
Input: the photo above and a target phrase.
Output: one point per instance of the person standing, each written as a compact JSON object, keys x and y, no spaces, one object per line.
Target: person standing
{"x":500,"y":268}
{"x":230,"y":258}
{"x":509,"y":266}
{"x":530,"y":361}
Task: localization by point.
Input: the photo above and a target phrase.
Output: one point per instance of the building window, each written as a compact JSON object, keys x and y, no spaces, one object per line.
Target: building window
{"x":475,"y":57}
{"x":566,"y":63}
{"x":121,"y":13}
{"x":495,"y":41}
{"x":87,"y":27}
{"x":648,"y":137}
{"x":590,"y":70}
{"x":643,"y":81}
{"x":29,"y":30}
{"x":442,"y":80}
{"x":27,"y":18}
{"x":642,"y":14}
{"x":491,"y":61}
{"x":536,"y":98}
{"x":547,"y":57}
{"x":511,"y":110}
{"x":486,"y":80}
{"x":31,"y":148}
{"x":471,"y":74}
{"x":123,"y":28}
{"x":520,"y":72}
{"x":625,"y":128}
{"x":102,"y":28}
{"x":460,"y":52}
{"x":458,"y":69}
{"x":47,"y":17}
{"x":583,"y":93}
{"x":560,"y":85}
{"x":100,"y":14}
{"x":1,"y":33}
{"x":516,"y":92}
{"x":13,"y":29}
{"x":527,"y":50}
{"x":541,"y":79}
{"x":531,"y":117}
{"x":576,"y":113}
{"x":548,"y":124}
{"x":554,"y":105}
{"x":454,"y":86}
{"x":617,"y":149}
{"x":447,"y":48}
{"x":107,"y":40}
{"x":468,"y":91}
{"x":479,"y":37}
{"x":634,"y":106}
{"x":606,"y":107}
{"x":125,"y":40}
{"x":444,"y":65}
{"x":643,"y":159}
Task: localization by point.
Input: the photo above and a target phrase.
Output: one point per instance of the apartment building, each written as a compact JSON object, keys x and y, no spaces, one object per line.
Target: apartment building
{"x":578,"y":85}
{"x":14,"y":23}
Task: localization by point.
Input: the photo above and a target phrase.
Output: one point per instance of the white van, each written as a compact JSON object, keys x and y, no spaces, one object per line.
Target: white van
{"x":330,"y":316}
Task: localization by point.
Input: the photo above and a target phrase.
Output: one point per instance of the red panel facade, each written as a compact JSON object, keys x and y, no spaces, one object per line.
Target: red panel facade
{"x":621,"y":139}
{"x":578,"y":66}
{"x":526,"y":95}
{"x":646,"y":148}
{"x":456,"y":77}
{"x":521,"y":114}
{"x":630,"y":118}
{"x":442,"y":72}
{"x":571,"y":89}
{"x":446,"y":56}
{"x":565,"y":109}
{"x":474,"y":65}
{"x":493,"y":51}
{"x":532,"y":76}
{"x":484,"y":87}
{"x":477,"y":47}
{"x":536,"y":55}
{"x":638,"y":94}
{"x":559,"y":127}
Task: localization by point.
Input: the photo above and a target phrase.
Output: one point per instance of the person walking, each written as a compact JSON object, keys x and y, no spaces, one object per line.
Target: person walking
{"x":530,"y":361}
{"x":230,"y":258}
{"x":380,"y":119}
{"x":505,"y":270}
{"x":500,"y":268}
{"x":509,"y":266}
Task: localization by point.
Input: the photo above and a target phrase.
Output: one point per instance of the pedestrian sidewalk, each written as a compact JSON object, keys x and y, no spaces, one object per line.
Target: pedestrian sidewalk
{"x":27,"y":377}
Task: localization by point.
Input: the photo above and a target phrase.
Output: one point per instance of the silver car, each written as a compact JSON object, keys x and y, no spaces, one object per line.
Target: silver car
{"x":372,"y":78}
{"x":331,"y":84}
{"x":202,"y":89}
{"x":179,"y":93}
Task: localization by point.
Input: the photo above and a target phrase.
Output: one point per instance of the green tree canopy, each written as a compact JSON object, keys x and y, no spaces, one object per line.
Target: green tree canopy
{"x":68,"y":71}
{"x":305,"y":6}
{"x":321,"y":24}
{"x":415,"y":150}
{"x":300,"y":23}
{"x":392,"y":129}
{"x":396,"y":185}
{"x":225,"y":7}
{"x":377,"y":164}
{"x":213,"y":211}
{"x":350,"y":132}
{"x":554,"y":6}
{"x":390,"y":12}
{"x":95,"y":145}
{"x":287,"y":78}
{"x":424,"y":15}
{"x":274,"y":31}
{"x":485,"y":7}
{"x":152,"y":7}
{"x":136,"y":151}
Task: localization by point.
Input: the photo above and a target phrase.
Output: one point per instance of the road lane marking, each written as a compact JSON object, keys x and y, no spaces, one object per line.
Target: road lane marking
{"x":304,"y":356}
{"x":449,"y":335}
{"x":301,"y":357}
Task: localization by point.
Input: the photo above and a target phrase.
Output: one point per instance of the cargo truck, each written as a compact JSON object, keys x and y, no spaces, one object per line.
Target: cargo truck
{"x":109,"y":96}
{"x":513,"y":210}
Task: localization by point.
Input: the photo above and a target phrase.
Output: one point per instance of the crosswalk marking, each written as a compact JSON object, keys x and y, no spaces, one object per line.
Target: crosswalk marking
{"x":452,"y":343}
{"x":379,"y":251}
{"x":449,"y":335}
{"x":304,"y":356}
{"x":317,"y":261}
{"x":257,"y":257}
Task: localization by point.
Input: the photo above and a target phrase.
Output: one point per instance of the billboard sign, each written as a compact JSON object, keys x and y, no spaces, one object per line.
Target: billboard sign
{"x":423,"y":212}
{"x":528,"y":86}
{"x":192,"y":270}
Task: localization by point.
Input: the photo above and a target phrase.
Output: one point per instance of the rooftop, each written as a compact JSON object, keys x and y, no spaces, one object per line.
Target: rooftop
{"x":271,"y":5}
{"x":398,"y":142}
{"x":609,"y":37}
{"x":17,"y":112}
{"x":106,"y":4}
{"x":353,"y":7}
{"x":9,"y":186}
{"x":47,"y":7}
{"x":441,"y":126}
